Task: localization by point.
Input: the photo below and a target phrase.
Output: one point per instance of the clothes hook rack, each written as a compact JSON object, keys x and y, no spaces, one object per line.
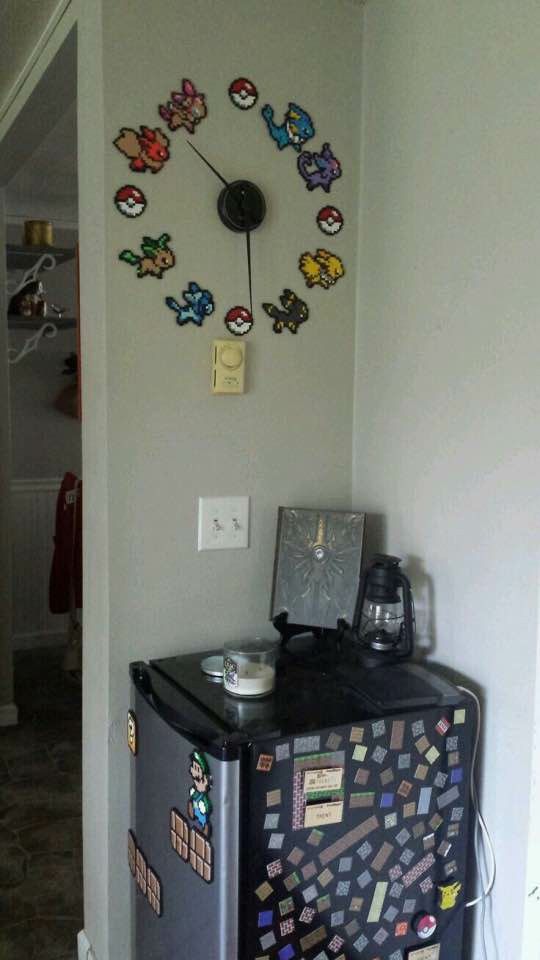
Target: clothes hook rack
{"x":45,"y":262}
{"x":48,"y":330}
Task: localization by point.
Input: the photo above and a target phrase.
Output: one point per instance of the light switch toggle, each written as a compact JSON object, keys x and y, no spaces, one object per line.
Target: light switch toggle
{"x":223,"y":523}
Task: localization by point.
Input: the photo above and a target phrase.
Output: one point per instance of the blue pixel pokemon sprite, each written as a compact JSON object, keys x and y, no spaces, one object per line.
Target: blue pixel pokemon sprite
{"x":198,"y":305}
{"x":297,"y":126}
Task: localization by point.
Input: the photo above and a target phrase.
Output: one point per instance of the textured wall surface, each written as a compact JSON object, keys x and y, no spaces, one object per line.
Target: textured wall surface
{"x":23,"y":23}
{"x":168,"y":441}
{"x":447,"y":394}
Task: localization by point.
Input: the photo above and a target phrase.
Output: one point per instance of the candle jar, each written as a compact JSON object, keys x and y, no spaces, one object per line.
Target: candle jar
{"x":38,"y":233}
{"x":249,"y":668}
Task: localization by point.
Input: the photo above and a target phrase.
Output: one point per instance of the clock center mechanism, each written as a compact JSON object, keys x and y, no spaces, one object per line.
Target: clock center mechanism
{"x":241,"y":206}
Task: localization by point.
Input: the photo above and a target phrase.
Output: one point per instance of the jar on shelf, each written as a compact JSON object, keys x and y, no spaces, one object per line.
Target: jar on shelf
{"x":38,"y":233}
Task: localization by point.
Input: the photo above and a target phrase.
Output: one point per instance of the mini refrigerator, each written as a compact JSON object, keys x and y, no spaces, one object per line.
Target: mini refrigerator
{"x":328,"y":821}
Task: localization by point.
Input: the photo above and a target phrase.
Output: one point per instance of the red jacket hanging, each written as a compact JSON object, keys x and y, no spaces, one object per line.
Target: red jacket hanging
{"x":65,"y":585}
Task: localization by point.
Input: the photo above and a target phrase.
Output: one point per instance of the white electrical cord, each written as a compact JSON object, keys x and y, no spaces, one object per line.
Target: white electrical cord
{"x":484,"y":838}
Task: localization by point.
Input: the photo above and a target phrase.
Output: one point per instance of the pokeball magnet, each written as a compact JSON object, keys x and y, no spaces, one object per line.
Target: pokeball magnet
{"x":424,"y":925}
{"x":130,"y":201}
{"x":330,"y":220}
{"x":243,"y":93}
{"x":238,"y":321}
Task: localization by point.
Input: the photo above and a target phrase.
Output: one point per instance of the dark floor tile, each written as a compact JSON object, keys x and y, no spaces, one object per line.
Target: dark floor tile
{"x":14,"y":908}
{"x":18,"y":741}
{"x":39,"y":939}
{"x":16,"y":943}
{"x":66,"y":904}
{"x":13,"y":860}
{"x":20,"y":816}
{"x":31,"y":766}
{"x":54,"y":937}
{"x":27,"y":802}
{"x":7,"y":835}
{"x":54,"y":884}
{"x":40,"y":814}
{"x":55,"y":837}
{"x":67,"y":756}
{"x":51,"y":731}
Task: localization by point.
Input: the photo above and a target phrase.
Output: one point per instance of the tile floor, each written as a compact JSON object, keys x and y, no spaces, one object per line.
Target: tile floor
{"x":40,"y":814}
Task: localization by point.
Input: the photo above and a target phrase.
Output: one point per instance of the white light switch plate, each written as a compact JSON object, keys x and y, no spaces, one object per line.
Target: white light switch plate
{"x":223,"y":523}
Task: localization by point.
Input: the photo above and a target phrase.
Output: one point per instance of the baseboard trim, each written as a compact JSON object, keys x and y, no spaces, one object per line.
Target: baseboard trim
{"x":9,"y":715}
{"x":84,"y":947}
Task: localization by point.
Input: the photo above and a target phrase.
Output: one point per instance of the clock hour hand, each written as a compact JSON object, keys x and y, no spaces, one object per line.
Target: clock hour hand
{"x":208,"y":164}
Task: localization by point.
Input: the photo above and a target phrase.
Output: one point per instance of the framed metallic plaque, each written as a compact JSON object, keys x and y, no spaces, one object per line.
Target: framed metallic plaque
{"x":317,"y":566}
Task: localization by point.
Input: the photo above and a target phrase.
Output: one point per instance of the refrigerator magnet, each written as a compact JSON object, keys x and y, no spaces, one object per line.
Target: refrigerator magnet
{"x":432,"y":952}
{"x":199,"y":803}
{"x":448,"y":895}
{"x":179,"y":833}
{"x":132,"y":851}
{"x":153,"y":891}
{"x":264,"y":763}
{"x":201,"y":855}
{"x":336,"y":943}
{"x":323,"y":813}
{"x":140,"y":870}
{"x":132,"y":732}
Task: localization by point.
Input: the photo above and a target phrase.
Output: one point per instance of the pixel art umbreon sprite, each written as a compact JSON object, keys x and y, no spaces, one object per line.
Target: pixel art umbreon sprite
{"x":294,"y":312}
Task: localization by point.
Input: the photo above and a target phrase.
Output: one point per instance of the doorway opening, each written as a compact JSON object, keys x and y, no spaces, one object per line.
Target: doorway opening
{"x":40,"y":757}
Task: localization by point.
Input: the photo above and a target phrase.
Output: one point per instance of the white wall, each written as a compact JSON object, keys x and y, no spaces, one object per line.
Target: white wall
{"x":447,"y":395}
{"x":23,"y":24}
{"x":146,"y":381}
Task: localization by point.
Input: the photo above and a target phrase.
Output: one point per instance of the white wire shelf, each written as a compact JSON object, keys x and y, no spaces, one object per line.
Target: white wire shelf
{"x":20,"y":257}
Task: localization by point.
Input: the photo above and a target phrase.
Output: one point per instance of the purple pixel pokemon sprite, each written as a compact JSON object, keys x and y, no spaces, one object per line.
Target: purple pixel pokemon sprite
{"x":325,"y":168}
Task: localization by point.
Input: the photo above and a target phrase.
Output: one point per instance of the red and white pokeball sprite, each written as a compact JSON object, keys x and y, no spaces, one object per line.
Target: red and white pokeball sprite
{"x":330,"y":220}
{"x":243,"y":93}
{"x":238,"y":321}
{"x":424,"y":925}
{"x":130,"y":201}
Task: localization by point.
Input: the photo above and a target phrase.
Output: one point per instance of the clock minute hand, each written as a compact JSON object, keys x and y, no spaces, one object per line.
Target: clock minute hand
{"x":248,"y":243}
{"x":248,"y":238}
{"x":208,"y":164}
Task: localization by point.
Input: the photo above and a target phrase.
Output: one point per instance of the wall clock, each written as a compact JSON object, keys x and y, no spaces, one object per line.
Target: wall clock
{"x":241,"y":205}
